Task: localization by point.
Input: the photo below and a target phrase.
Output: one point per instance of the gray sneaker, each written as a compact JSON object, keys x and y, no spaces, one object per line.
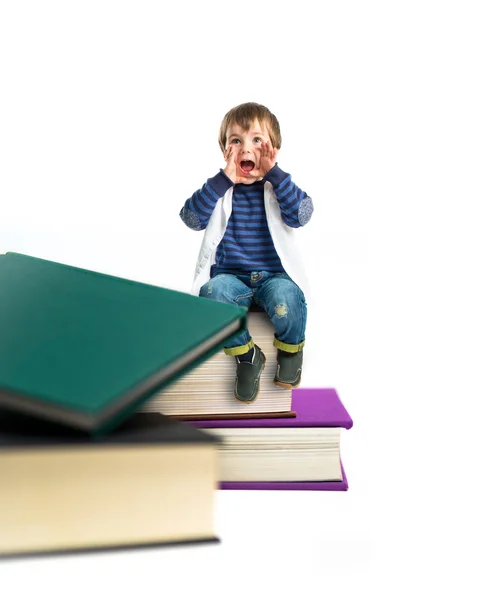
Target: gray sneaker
{"x":247,"y":377}
{"x":289,"y":369}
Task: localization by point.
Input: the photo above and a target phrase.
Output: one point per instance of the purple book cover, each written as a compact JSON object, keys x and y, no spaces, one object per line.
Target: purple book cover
{"x":315,"y":407}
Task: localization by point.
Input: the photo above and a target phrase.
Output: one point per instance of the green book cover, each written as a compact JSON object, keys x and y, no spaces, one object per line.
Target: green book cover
{"x":86,"y":349}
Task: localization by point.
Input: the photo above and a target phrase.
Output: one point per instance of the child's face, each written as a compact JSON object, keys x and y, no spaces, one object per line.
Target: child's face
{"x":247,"y":149}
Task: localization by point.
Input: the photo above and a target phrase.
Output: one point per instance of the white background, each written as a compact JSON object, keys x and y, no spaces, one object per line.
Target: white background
{"x":109,"y":115}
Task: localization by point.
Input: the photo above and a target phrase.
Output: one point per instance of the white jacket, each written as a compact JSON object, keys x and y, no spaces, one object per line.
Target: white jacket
{"x":281,"y":234}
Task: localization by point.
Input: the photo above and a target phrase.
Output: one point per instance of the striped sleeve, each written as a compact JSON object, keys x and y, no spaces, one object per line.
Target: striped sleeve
{"x":197,"y":210}
{"x":295,"y":205}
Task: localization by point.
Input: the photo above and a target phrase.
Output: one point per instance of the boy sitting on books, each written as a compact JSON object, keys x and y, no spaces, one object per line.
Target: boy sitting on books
{"x":249,"y":210}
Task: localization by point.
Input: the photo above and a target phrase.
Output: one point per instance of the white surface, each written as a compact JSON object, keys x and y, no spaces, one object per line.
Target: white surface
{"x":109,"y":119}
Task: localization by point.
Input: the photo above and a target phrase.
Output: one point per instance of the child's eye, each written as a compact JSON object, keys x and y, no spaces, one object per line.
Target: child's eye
{"x":257,"y":140}
{"x":235,"y":141}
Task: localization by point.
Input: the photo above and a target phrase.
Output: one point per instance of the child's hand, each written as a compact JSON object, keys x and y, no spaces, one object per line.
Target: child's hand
{"x":231,"y":167}
{"x":230,"y":156}
{"x":268,"y":157}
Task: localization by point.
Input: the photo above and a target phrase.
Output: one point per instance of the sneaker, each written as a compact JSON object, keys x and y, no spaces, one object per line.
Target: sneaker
{"x":289,"y":369}
{"x":247,"y":377}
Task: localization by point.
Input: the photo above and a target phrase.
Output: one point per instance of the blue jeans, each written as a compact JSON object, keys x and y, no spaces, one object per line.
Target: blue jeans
{"x":275,"y":293}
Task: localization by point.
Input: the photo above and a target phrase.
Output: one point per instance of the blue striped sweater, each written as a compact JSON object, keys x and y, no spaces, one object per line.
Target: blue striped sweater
{"x":247,"y":245}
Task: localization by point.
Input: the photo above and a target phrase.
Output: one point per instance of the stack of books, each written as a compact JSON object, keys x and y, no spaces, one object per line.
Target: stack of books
{"x":80,"y":352}
{"x":118,"y":419}
{"x":285,"y":439}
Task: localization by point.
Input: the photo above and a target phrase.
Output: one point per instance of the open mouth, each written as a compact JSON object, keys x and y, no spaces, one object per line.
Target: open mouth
{"x":247,"y":165}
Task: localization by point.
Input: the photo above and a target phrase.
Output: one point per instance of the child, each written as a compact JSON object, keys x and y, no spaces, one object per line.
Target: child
{"x":249,"y":210}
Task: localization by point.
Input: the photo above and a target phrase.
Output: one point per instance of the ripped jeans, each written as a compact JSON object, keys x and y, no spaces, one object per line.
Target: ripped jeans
{"x":275,"y":293}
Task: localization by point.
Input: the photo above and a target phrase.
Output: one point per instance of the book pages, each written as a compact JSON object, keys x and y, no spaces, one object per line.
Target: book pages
{"x":209,"y":388}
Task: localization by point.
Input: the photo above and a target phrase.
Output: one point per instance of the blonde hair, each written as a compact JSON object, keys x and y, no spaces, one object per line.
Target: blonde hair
{"x":244,"y":115}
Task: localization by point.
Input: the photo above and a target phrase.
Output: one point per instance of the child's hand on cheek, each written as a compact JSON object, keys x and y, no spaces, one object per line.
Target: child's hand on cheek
{"x":231,"y":167}
{"x":268,"y":157}
{"x":230,"y":156}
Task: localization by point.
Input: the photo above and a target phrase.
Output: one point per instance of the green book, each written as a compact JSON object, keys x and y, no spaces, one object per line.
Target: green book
{"x":149,"y":482}
{"x":86,"y":349}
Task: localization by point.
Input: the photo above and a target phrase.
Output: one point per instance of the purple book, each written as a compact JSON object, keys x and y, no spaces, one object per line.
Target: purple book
{"x":314,"y":407}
